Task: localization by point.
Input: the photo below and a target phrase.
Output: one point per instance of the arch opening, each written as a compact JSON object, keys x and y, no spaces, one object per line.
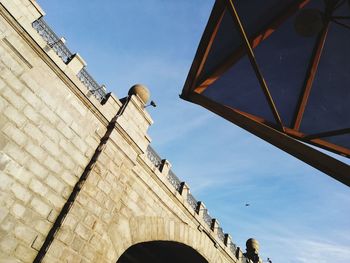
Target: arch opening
{"x":160,"y":252}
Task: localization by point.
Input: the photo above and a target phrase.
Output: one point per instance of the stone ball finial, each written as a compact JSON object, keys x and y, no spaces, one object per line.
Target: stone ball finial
{"x":252,"y":246}
{"x":141,"y":91}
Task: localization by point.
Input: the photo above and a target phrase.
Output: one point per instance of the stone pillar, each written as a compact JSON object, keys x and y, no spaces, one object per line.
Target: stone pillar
{"x":200,"y":208}
{"x":184,"y":190}
{"x":215,"y":225}
{"x":76,"y":64}
{"x":228,"y":239}
{"x":165,"y":167}
{"x":135,"y":122}
{"x":239,"y":254}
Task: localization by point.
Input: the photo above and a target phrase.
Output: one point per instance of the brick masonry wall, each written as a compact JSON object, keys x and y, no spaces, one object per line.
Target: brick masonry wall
{"x":49,"y":129}
{"x":46,"y":138}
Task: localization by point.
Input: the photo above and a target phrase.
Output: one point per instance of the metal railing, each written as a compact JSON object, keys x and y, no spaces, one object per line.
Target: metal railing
{"x":174,"y":180}
{"x":192,"y":201}
{"x":154,"y":157}
{"x":232,"y":247}
{"x":221,"y":235}
{"x":98,"y":91}
{"x":176,"y":183}
{"x":207,"y":218}
{"x":52,"y":40}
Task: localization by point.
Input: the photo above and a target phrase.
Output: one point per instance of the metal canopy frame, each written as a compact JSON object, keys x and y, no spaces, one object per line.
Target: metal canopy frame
{"x":286,"y":138}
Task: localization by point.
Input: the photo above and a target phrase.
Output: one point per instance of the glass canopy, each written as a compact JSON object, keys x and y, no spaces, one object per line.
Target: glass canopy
{"x":280,"y":69}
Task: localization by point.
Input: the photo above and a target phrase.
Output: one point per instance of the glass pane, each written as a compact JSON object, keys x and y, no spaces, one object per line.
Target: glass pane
{"x":284,"y":59}
{"x":257,"y":14}
{"x":226,"y":41}
{"x":240,"y":89}
{"x":329,"y":102}
{"x":254,"y":14}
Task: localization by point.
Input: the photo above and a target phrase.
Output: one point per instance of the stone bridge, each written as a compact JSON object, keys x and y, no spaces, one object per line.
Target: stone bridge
{"x":79,"y":181}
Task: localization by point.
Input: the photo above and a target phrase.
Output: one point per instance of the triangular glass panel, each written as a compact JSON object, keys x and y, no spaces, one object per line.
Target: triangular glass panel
{"x":284,"y":59}
{"x":239,"y":88}
{"x":328,"y":107}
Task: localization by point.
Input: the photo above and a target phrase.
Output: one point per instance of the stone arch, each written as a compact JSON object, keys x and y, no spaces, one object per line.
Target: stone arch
{"x":160,"y":252}
{"x":128,"y":232}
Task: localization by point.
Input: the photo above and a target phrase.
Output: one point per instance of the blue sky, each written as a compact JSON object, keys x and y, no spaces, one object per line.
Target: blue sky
{"x":297,"y":213}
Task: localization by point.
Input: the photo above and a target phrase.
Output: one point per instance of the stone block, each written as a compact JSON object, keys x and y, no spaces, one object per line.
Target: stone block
{"x":33,"y":132}
{"x":48,"y":99}
{"x":38,"y":242}
{"x":18,"y":172}
{"x":65,"y":130}
{"x":40,"y":207}
{"x":76,"y":64}
{"x":104,"y":186}
{"x":66,"y":236}
{"x":55,"y":200}
{"x":70,"y":256}
{"x":36,"y":168}
{"x":21,"y":193}
{"x":51,"y":147}
{"x":53,"y":165}
{"x":3,"y":213}
{"x":49,"y":115}
{"x":15,"y":116}
{"x":3,"y":104}
{"x":34,"y":150}
{"x":83,"y":231}
{"x":42,"y":226}
{"x":56,"y":249}
{"x":32,"y":99}
{"x":65,"y":115}
{"x":89,"y":253}
{"x":55,"y":183}
{"x":80,"y":144}
{"x":8,"y":223}
{"x":90,"y":221}
{"x":69,"y":178}
{"x":13,"y":99}
{"x":15,"y":134}
{"x":32,"y":114}
{"x":70,"y":221}
{"x":37,"y":187}
{"x":18,"y":210}
{"x":8,"y":245}
{"x":24,"y":233}
{"x":77,"y":243}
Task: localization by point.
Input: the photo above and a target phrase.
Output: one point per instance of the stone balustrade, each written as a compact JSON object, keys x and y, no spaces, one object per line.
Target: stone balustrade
{"x":58,"y":45}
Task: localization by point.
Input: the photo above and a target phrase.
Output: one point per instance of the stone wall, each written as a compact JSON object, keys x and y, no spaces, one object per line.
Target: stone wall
{"x":50,"y":127}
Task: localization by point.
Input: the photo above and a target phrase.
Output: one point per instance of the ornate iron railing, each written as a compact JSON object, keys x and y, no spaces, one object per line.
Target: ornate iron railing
{"x":232,"y":247}
{"x":192,"y":201}
{"x":52,"y":40}
{"x":98,"y":91}
{"x":154,"y":157}
{"x":174,"y":180}
{"x":221,"y":234}
{"x":207,"y":218}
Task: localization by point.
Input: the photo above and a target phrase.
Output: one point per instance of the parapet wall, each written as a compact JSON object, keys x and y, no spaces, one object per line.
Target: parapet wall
{"x":54,"y":116}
